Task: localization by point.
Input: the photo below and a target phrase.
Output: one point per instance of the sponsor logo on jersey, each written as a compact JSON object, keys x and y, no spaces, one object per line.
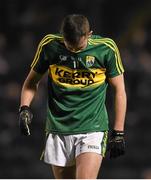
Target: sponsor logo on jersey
{"x":90,"y":61}
{"x":68,"y":77}
{"x":75,"y":77}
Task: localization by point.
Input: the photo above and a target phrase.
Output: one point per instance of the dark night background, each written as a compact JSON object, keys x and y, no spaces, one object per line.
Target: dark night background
{"x":22,"y":25}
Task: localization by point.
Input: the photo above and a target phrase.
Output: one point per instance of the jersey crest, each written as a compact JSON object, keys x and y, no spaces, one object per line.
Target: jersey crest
{"x":90,"y":61}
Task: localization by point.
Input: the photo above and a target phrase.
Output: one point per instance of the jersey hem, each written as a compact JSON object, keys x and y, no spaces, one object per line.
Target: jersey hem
{"x":76,"y":132}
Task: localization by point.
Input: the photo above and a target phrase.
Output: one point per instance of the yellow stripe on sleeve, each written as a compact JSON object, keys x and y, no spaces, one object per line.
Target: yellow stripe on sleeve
{"x":110,"y":43}
{"x":43,"y":42}
{"x":117,"y":51}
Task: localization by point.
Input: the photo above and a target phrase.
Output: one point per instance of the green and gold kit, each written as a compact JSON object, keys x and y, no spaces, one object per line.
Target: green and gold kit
{"x":77,"y":83}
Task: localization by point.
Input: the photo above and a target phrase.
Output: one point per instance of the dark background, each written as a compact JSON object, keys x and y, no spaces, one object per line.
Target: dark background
{"x":22,"y":25}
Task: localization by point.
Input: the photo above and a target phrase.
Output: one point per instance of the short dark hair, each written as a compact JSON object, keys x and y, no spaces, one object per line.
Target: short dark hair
{"x":73,"y":27}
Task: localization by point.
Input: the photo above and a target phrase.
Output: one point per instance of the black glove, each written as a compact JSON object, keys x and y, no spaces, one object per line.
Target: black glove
{"x":25,"y":117}
{"x":116,"y":144}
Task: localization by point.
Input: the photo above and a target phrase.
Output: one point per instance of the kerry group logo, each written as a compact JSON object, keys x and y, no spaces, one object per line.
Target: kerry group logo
{"x":80,"y":78}
{"x":74,"y":77}
{"x":90,"y":61}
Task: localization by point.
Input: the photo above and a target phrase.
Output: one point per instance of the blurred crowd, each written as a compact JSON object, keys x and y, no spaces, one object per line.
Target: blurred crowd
{"x":22,"y":25}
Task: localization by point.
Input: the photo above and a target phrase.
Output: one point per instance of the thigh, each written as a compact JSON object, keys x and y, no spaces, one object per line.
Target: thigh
{"x":64,"y":172}
{"x":88,"y":165}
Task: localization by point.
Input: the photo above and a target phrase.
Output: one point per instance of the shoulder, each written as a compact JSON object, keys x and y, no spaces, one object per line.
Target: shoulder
{"x":50,"y":38}
{"x":99,"y":40}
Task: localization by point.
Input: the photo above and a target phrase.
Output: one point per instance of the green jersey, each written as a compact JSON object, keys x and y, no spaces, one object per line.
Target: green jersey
{"x":77,"y":83}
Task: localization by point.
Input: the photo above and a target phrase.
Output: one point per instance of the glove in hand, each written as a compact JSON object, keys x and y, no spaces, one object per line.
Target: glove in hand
{"x":25,"y":118}
{"x":116,"y":146}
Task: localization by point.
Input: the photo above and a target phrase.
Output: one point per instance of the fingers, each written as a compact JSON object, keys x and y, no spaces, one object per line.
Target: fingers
{"x":116,"y":149}
{"x":24,"y":128}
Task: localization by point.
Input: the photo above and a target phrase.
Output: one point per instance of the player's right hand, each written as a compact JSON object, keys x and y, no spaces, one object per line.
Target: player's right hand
{"x":25,"y":117}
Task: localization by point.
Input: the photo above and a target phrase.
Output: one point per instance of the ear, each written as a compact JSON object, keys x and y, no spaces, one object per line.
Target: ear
{"x":90,"y":34}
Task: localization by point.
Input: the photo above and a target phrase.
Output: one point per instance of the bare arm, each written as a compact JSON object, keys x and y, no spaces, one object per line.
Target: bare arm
{"x":29,"y":88}
{"x":120,"y":101}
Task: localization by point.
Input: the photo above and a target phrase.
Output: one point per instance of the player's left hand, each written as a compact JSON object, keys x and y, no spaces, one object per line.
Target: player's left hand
{"x":25,"y":117}
{"x":116,"y":146}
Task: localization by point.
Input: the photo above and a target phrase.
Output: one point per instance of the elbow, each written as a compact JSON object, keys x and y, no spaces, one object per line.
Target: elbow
{"x":29,"y":85}
{"x":121,"y":93}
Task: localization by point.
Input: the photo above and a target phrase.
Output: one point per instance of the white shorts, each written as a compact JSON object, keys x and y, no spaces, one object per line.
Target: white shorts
{"x":61,"y":150}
